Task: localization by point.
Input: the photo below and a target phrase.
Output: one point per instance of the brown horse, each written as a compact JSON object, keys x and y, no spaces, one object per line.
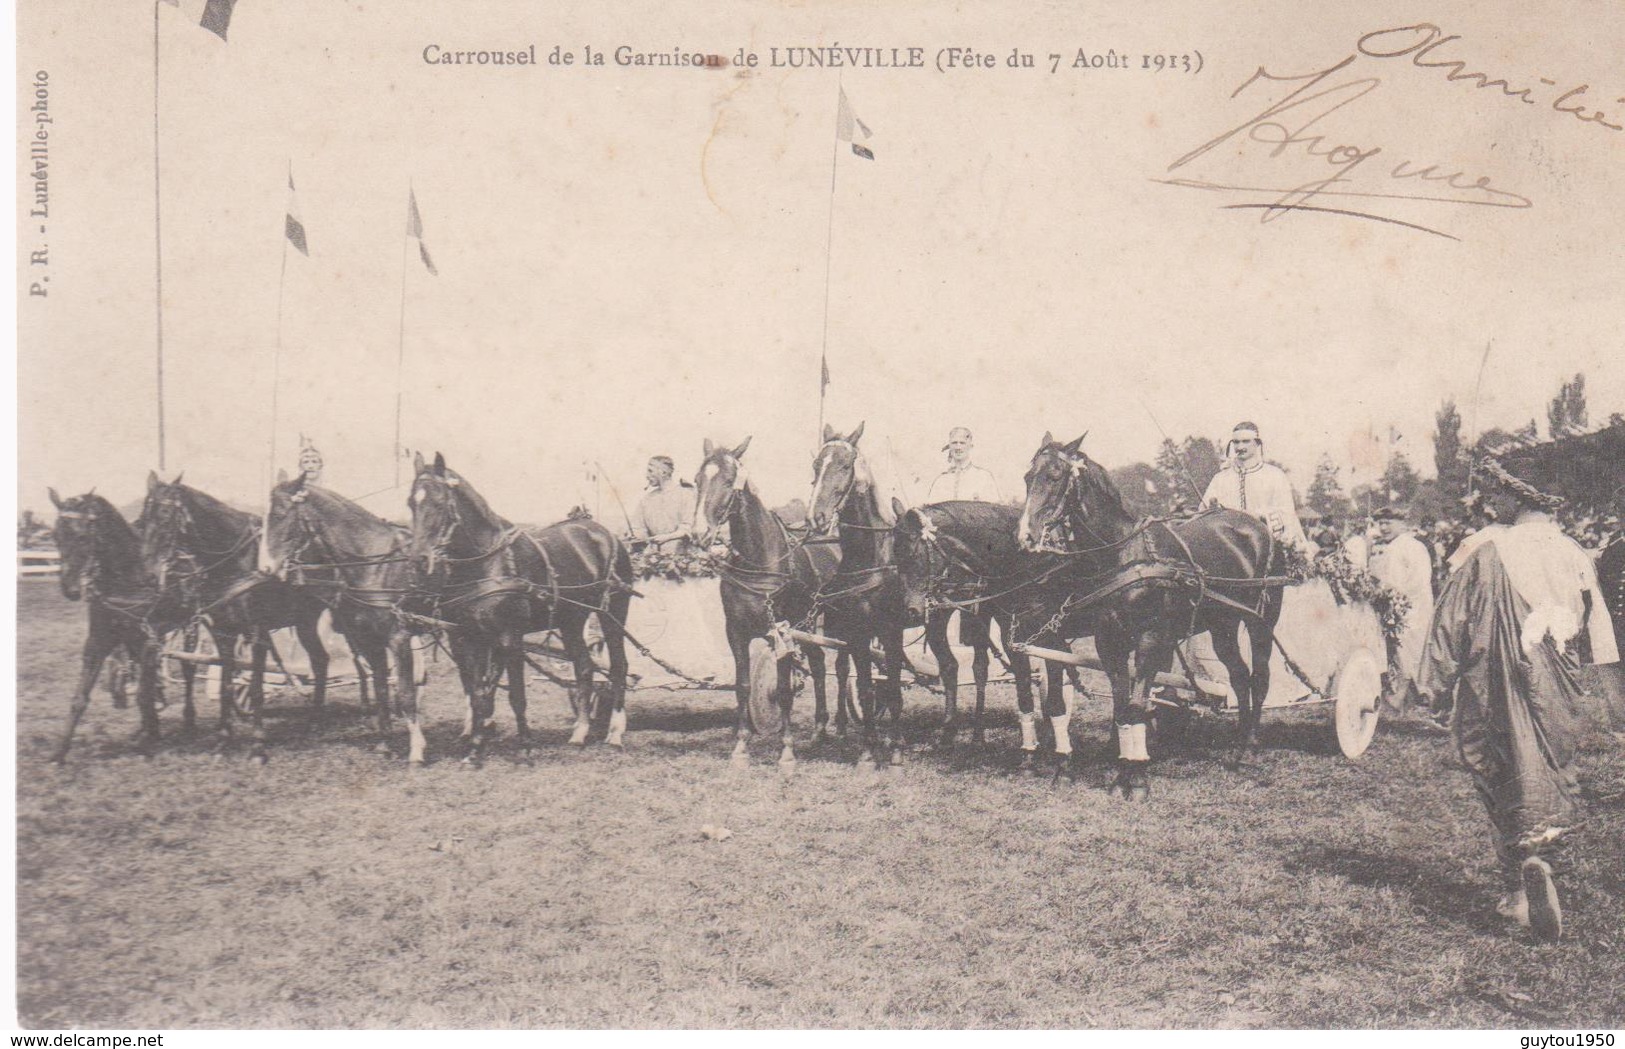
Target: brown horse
{"x":204,"y":554}
{"x":1150,"y":584}
{"x":356,"y":564}
{"x":101,"y":563}
{"x":863,"y":601}
{"x":767,"y":580}
{"x":965,"y":555}
{"x":493,"y":583}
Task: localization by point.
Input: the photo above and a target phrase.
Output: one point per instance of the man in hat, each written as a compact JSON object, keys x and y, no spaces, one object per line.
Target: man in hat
{"x":1403,"y":564}
{"x":1249,"y":483}
{"x":962,"y":479}
{"x":663,"y":514}
{"x":1520,"y":610}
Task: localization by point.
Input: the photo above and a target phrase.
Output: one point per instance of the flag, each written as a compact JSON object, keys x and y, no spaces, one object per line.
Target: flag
{"x":846,"y":122}
{"x":414,"y":228}
{"x":217,"y":16}
{"x":295,"y":229}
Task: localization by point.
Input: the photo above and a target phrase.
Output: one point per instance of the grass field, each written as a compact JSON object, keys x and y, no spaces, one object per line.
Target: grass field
{"x":334,"y":888}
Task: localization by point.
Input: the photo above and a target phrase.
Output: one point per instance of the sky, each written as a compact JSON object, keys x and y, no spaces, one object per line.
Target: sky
{"x":632,"y":261}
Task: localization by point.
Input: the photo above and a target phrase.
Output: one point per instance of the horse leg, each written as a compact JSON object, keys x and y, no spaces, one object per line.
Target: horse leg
{"x":1225,"y":632}
{"x":1060,"y":719}
{"x":859,"y":647}
{"x":815,"y":670}
{"x":486,"y":670}
{"x":513,"y":658}
{"x":256,"y":698}
{"x":1262,"y":636}
{"x":614,"y":631}
{"x":98,"y":644}
{"x":463,"y":657}
{"x":786,"y":698}
{"x":145,"y":655}
{"x":936,"y":639}
{"x":1022,"y":667}
{"x":740,"y":644}
{"x":1132,"y":756}
{"x":978,"y":669}
{"x":188,"y":680}
{"x":226,"y":644}
{"x":575,"y":645}
{"x":891,"y":642}
{"x":377,"y":667}
{"x":311,"y":640}
{"x":406,"y":695}
{"x":845,"y":712}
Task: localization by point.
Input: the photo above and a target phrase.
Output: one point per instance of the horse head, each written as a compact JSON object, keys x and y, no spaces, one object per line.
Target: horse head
{"x":288,"y":531}
{"x":436,"y":511}
{"x":1069,"y":492}
{"x":1051,"y":480}
{"x":838,"y":470}
{"x":919,"y":557}
{"x":721,"y":477}
{"x":168,"y":526}
{"x":83,"y":525}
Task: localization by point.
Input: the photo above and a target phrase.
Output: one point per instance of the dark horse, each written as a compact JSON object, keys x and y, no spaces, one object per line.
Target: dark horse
{"x":494,"y":583}
{"x":863,"y":601}
{"x":965,"y":555}
{"x":768,"y":579}
{"x":357,"y":564}
{"x":204,"y":554}
{"x":1151,"y":584}
{"x":101,"y":562}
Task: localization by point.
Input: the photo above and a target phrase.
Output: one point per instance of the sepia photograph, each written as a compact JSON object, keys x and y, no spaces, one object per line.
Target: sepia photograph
{"x":820,"y":516}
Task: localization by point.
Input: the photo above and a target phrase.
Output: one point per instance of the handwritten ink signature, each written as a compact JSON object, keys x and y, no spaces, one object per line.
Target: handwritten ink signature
{"x":1297,"y":125}
{"x":1417,"y":42}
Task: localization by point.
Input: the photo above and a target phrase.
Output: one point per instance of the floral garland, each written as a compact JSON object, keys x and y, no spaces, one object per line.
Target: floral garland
{"x":1350,"y":583}
{"x":685,"y":562}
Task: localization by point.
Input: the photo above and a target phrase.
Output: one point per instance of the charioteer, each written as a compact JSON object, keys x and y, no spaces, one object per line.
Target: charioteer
{"x":1259,"y":488}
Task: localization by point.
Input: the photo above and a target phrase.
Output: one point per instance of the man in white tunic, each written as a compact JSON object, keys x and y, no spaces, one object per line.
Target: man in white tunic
{"x":962,"y":479}
{"x":1249,"y":483}
{"x":1403,"y":564}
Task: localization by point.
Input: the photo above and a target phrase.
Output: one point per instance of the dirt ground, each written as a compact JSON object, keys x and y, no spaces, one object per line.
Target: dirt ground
{"x":334,"y":887}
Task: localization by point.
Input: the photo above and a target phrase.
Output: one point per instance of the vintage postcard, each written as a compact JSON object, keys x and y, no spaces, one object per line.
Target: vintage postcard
{"x":819,"y":515}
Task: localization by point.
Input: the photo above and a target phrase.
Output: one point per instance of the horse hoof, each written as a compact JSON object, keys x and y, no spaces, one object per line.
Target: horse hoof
{"x":739,"y":761}
{"x":787,"y":769}
{"x":820,"y":734}
{"x":866,"y":765}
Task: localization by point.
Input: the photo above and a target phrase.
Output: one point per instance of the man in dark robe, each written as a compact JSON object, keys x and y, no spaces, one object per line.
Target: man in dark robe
{"x":1520,"y":607}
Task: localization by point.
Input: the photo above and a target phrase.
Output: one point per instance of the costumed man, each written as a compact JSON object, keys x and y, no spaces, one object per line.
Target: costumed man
{"x":662,"y":515}
{"x":1519,"y":612}
{"x":963,"y":479}
{"x":1403,"y":564}
{"x":310,"y":462}
{"x":1249,"y":483}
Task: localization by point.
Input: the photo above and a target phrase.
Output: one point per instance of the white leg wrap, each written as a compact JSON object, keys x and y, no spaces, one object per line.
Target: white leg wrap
{"x":1029,"y":731}
{"x":1063,"y":732}
{"x":1131,"y":743}
{"x":617,"y":727}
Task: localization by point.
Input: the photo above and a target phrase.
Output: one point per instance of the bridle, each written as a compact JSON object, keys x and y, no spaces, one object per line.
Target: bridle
{"x":167,"y":508}
{"x":90,"y":565}
{"x":1072,"y":511}
{"x":741,"y":479}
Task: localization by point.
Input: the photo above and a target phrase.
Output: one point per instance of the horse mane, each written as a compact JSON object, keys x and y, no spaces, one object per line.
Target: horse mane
{"x":475,"y":500}
{"x":223,"y":514}
{"x":1104,"y":484}
{"x":113,"y":533}
{"x":347,"y":510}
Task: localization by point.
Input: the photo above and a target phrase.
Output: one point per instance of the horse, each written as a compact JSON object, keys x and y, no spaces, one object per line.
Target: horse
{"x":101,"y":564}
{"x":1154,"y":583}
{"x":965,"y":555}
{"x":355,"y":563}
{"x":204,"y":554}
{"x":493,"y":583}
{"x":863,"y":601}
{"x":767,"y":579}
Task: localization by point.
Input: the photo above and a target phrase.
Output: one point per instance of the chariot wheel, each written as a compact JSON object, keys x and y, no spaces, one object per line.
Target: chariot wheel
{"x":764,"y":688}
{"x":1357,"y":690}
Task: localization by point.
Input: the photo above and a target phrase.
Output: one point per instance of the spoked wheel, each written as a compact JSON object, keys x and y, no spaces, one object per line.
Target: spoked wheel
{"x":764,"y":689}
{"x":1357,"y":689}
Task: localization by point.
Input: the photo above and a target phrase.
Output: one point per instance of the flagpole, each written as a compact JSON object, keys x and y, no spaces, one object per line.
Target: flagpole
{"x":276,"y":358}
{"x":829,"y":250}
{"x":400,"y":347}
{"x":157,"y":233}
